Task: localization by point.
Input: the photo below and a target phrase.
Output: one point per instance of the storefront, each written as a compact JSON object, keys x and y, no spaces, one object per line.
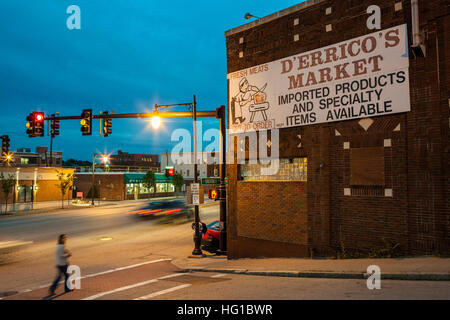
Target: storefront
{"x":135,"y":187}
{"x":355,"y":122}
{"x":122,"y":186}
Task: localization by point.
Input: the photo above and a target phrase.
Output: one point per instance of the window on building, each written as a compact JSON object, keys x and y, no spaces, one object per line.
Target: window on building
{"x":291,"y":169}
{"x":24,"y":160}
{"x":130,"y":188}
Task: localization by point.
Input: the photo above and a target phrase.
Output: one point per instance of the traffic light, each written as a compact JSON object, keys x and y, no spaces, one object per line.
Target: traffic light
{"x":5,"y":145}
{"x":169,"y":172}
{"x":54,"y":128}
{"x":213,"y":194}
{"x":106,"y":125}
{"x":35,"y":124}
{"x":39,"y":124}
{"x":86,"y":122}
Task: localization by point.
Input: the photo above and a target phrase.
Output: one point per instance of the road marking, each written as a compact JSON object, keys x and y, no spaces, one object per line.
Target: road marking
{"x":218,"y":275}
{"x":158,"y":293}
{"x":131,"y":286}
{"x":124,"y":268}
{"x":95,"y":274}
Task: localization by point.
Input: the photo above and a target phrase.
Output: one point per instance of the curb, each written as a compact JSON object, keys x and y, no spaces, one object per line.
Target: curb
{"x":329,"y":275}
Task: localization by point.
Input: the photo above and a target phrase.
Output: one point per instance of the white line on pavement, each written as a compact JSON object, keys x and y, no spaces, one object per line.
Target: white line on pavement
{"x":158,"y":293}
{"x":218,"y":275}
{"x":96,"y":274}
{"x":101,"y":294}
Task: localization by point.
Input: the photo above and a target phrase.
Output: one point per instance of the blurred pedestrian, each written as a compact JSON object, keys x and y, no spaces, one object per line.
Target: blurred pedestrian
{"x":62,"y":254}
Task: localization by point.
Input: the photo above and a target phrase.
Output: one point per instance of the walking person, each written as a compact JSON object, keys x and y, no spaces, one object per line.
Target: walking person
{"x":61,"y":264}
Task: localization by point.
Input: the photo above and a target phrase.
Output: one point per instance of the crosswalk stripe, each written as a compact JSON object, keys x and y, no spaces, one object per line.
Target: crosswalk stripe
{"x":140,"y":284}
{"x":158,"y":293}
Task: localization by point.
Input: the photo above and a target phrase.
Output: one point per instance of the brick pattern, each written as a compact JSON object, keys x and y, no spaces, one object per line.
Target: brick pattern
{"x":111,"y":187}
{"x":417,"y":166}
{"x":283,"y":220}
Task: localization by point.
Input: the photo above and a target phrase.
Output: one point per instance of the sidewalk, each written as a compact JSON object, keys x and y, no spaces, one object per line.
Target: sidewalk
{"x":417,"y":268}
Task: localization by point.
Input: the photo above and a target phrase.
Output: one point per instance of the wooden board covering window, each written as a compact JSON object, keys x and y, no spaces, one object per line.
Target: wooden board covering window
{"x":367,"y":166}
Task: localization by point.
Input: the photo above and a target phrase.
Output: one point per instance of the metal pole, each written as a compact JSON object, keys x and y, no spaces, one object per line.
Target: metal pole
{"x":222,"y":188}
{"x":51,"y":142}
{"x":197,"y":238}
{"x":51,"y":151}
{"x":93,"y":172}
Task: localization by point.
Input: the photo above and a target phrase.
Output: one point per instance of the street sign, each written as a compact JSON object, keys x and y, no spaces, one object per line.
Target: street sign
{"x":195,"y":199}
{"x":210,"y":180}
{"x":195,"y":188}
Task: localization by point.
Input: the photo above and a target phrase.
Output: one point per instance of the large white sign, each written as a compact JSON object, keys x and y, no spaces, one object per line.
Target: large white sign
{"x":357,"y":78}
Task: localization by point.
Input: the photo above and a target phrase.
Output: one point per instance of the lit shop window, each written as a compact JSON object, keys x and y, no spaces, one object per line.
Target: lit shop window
{"x":165,"y":187}
{"x":130,"y":188}
{"x":143,"y":189}
{"x":292,"y":169}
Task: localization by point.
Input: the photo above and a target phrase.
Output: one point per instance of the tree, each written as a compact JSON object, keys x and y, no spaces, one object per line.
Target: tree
{"x":76,"y":163}
{"x":65,"y":180}
{"x":149,"y":180}
{"x":177,"y":181}
{"x":7,"y":184}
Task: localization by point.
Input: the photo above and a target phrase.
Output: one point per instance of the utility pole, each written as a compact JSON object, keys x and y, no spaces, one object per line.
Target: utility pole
{"x":197,"y":238}
{"x":51,"y":141}
{"x":222,"y":188}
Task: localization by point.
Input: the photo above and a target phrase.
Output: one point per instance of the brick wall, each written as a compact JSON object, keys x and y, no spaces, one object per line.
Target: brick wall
{"x":413,"y":206}
{"x":111,"y":186}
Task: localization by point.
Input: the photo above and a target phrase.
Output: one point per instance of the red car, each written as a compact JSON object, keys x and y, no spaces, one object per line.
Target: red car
{"x":211,"y":238}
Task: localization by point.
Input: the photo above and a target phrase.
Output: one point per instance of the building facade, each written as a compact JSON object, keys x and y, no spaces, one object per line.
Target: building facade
{"x":125,"y":159}
{"x":355,"y":182}
{"x":35,"y":184}
{"x":122,"y":185}
{"x":23,"y":157}
{"x":207,"y":164}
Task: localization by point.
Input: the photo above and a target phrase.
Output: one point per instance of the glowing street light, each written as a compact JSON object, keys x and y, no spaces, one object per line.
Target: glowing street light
{"x":156,"y":122}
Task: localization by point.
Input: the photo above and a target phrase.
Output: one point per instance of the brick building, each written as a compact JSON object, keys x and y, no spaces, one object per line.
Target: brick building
{"x":350,"y":184}
{"x":125,"y":159}
{"x":122,"y":185}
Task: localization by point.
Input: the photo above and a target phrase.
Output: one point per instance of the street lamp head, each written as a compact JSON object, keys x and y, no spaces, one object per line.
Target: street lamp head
{"x":249,"y":15}
{"x":156,"y":122}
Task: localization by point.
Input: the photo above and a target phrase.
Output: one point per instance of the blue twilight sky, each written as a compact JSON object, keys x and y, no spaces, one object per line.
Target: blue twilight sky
{"x":128,"y":55}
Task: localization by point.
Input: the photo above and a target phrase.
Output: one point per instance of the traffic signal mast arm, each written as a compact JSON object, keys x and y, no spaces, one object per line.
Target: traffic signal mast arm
{"x":140,"y":115}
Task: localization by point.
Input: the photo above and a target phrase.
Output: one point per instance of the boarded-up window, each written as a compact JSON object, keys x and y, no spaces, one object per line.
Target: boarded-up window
{"x":367,"y":166}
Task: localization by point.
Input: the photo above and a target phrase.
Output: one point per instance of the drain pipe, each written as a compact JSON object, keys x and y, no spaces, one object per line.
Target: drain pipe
{"x":417,"y":45}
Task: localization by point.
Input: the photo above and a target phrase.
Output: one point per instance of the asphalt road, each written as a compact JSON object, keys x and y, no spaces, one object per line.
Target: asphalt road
{"x":126,"y":257}
{"x":100,"y":239}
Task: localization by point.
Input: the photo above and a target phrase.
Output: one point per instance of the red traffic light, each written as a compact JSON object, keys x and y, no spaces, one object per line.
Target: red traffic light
{"x":39,"y":117}
{"x":169,"y":172}
{"x":213,"y":194}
